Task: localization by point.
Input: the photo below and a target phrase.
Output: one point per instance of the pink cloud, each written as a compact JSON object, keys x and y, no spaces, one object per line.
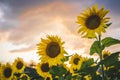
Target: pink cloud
{"x":22,"y":50}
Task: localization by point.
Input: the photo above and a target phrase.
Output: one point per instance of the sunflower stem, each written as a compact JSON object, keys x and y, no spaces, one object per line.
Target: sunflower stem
{"x":102,"y":65}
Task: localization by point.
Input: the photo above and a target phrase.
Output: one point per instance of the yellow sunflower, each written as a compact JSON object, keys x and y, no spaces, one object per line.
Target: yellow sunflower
{"x":76,"y":62}
{"x":105,"y":54}
{"x":92,"y":21}
{"x":43,"y":69}
{"x":51,"y":50}
{"x":24,"y":77}
{"x":6,"y":72}
{"x":19,"y":65}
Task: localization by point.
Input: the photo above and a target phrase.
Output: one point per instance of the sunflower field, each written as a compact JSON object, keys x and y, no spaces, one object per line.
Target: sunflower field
{"x":56,"y":63}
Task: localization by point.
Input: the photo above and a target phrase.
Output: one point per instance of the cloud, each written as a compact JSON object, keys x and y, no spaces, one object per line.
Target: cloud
{"x":56,"y":18}
{"x":39,"y":20}
{"x":112,"y":5}
{"x":6,"y":21}
{"x":22,"y":50}
{"x":48,"y":19}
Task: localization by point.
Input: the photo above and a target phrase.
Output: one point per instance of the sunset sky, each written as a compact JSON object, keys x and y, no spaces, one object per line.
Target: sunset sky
{"x":24,"y":22}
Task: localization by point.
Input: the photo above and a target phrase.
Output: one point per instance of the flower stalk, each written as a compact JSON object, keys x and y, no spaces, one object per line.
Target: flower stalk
{"x":100,"y":52}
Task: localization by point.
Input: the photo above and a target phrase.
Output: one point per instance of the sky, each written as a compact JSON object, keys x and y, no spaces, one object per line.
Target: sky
{"x":24,"y":22}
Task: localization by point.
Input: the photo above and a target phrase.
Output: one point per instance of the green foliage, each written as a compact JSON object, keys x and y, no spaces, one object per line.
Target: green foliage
{"x":31,"y":72}
{"x":111,"y":60}
{"x":107,"y":25}
{"x":58,"y":70}
{"x":66,"y":58}
{"x":109,"y":41}
{"x":87,"y":63}
{"x":96,"y":48}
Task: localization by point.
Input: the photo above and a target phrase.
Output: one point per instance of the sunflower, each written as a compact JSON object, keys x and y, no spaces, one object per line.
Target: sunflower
{"x":24,"y":77}
{"x":51,"y":50}
{"x":105,"y":54}
{"x":19,"y":65}
{"x":43,"y":69}
{"x":76,"y":62}
{"x":92,"y":21}
{"x":6,"y":72}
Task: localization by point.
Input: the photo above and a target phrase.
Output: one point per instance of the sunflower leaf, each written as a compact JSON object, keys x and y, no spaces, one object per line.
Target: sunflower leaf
{"x":107,"y":25}
{"x":68,"y":76}
{"x":110,"y":60}
{"x":108,"y":41}
{"x":95,"y":48}
{"x":66,"y":58}
{"x":87,"y":63}
{"x":57,"y":70}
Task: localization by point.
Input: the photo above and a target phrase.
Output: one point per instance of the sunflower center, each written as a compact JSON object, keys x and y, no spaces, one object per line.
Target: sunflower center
{"x":53,"y":49}
{"x":7,"y":72}
{"x":45,"y":67}
{"x":76,"y":60}
{"x":93,"y":22}
{"x":19,"y":65}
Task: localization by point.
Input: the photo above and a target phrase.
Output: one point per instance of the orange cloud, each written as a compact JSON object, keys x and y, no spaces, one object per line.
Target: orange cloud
{"x":54,"y":18}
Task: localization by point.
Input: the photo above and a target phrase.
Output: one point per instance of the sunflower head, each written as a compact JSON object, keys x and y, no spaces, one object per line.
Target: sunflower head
{"x":76,"y":62}
{"x":19,"y":65}
{"x":92,"y":21}
{"x":51,"y":50}
{"x":24,"y":77}
{"x":105,"y":54}
{"x":6,"y":72}
{"x":43,"y":69}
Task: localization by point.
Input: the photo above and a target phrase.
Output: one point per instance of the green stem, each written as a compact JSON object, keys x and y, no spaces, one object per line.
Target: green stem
{"x":102,"y":65}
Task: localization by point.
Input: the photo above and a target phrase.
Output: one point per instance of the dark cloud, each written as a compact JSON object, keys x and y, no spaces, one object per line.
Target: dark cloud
{"x":113,"y":5}
{"x":7,"y":22}
{"x":20,"y":5}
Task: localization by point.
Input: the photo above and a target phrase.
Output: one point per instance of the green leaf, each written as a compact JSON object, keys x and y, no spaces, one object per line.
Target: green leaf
{"x":68,"y":76}
{"x":107,"y":25}
{"x":108,"y":41}
{"x":95,"y":48}
{"x":111,"y":60}
{"x":57,"y":70}
{"x":66,"y":58}
{"x":61,"y":78}
{"x":86,"y":68}
{"x":87,"y":64}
